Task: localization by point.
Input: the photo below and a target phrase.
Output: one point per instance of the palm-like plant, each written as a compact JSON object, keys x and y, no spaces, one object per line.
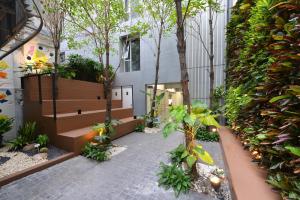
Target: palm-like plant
{"x":5,"y":125}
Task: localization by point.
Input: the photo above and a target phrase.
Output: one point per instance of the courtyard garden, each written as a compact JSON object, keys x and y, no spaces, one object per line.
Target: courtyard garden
{"x":80,"y":141}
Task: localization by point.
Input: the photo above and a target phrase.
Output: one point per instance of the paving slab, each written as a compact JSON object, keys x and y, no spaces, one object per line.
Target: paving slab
{"x":130,"y":175}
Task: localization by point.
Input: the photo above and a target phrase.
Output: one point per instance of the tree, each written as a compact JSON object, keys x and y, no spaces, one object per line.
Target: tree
{"x":157,"y":16}
{"x":99,"y":19}
{"x":53,"y":19}
{"x":186,"y":9}
{"x":213,"y":7}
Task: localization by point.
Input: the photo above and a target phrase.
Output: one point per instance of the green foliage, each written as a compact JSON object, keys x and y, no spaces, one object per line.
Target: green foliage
{"x":170,"y":176}
{"x":218,"y":96}
{"x":95,"y":152}
{"x":236,"y":100}
{"x":43,"y":140}
{"x":263,"y":58}
{"x":207,"y":136}
{"x":140,"y":128}
{"x":200,"y":116}
{"x":178,"y":155}
{"x":181,"y":154}
{"x":86,"y":69}
{"x":25,"y":136}
{"x":5,"y":124}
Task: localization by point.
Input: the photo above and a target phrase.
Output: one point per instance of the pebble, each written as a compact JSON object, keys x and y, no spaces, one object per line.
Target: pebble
{"x":152,"y":130}
{"x":18,"y":161}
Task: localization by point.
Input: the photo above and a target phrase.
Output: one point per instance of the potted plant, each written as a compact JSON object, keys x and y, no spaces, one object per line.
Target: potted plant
{"x":5,"y":126}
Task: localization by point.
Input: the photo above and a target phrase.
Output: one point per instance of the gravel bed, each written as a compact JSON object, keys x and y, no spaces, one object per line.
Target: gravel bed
{"x":14,"y":161}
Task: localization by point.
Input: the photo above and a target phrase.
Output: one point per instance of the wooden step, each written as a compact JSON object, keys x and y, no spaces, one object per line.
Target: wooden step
{"x":73,"y":105}
{"x":75,"y":140}
{"x":66,"y":89}
{"x":71,"y":121}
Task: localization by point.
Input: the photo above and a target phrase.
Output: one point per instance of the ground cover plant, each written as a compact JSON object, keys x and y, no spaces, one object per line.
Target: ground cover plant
{"x":265,"y":69}
{"x":207,"y":136}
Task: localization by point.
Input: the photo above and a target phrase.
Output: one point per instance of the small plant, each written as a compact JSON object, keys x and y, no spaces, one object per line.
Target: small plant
{"x":25,"y":136}
{"x":5,"y":126}
{"x":140,"y":128}
{"x":207,"y":136}
{"x":177,"y":154}
{"x":170,"y":176}
{"x":26,"y":132}
{"x":43,"y":140}
{"x":95,"y":152}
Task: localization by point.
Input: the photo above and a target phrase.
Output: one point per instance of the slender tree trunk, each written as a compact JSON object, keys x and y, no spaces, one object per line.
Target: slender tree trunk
{"x":153,"y":105}
{"x":181,"y":47}
{"x":211,"y":59}
{"x":107,"y":87}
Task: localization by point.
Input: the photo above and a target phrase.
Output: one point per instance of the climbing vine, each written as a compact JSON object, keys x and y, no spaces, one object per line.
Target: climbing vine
{"x":264,"y":61}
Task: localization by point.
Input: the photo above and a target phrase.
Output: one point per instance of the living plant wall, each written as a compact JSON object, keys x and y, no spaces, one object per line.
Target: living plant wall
{"x":263,"y":87}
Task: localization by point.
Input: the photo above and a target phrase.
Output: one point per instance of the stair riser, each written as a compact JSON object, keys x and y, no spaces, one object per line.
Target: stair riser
{"x":66,"y":89}
{"x":65,"y":124}
{"x":74,"y":106}
{"x":76,"y":144}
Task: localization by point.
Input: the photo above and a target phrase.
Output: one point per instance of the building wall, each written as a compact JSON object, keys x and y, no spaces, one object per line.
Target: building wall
{"x":197,"y":58}
{"x":197,"y":61}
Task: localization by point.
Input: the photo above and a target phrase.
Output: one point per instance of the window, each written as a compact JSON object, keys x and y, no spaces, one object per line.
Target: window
{"x":131,"y":54}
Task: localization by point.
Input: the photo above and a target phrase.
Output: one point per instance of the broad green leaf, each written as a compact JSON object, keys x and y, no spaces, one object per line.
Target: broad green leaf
{"x":294,"y":150}
{"x":169,"y":128}
{"x":191,"y":160}
{"x":204,"y":155}
{"x":261,"y":136}
{"x":185,"y":154}
{"x":274,"y":99}
{"x":295,"y":88}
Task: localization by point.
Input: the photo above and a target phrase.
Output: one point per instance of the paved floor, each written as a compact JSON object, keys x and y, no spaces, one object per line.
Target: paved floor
{"x":128,"y":175}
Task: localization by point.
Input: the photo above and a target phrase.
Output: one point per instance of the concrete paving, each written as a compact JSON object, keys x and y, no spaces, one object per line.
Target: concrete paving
{"x":130,"y":175}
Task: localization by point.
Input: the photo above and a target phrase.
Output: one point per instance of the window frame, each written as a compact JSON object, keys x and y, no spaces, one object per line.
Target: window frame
{"x":124,"y":59}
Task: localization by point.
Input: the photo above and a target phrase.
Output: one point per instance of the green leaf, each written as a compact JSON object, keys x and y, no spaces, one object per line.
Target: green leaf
{"x":294,"y":150}
{"x":191,"y":160}
{"x":261,"y":136}
{"x":203,"y":155}
{"x":274,"y":99}
{"x":185,"y":154}
{"x":169,"y":128}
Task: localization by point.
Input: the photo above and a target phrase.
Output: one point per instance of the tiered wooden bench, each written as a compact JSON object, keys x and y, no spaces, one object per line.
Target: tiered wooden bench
{"x":79,"y":105}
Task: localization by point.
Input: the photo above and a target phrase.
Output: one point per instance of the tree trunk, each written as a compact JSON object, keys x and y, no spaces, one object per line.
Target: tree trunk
{"x":107,"y":87}
{"x":211,"y":59}
{"x":181,"y":47}
{"x":153,"y":104}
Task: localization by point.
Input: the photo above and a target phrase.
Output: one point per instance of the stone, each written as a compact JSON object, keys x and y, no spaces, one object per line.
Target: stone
{"x":28,"y":147}
{"x":152,"y":130}
{"x":40,"y":156}
{"x":44,"y":150}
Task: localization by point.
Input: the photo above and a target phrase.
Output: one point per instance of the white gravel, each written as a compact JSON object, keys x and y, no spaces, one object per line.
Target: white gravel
{"x":18,"y":161}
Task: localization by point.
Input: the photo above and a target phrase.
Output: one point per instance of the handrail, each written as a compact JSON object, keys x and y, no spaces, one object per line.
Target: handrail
{"x":27,"y":39}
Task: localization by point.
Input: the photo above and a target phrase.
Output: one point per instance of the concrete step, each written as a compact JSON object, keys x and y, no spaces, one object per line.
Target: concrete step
{"x":75,"y":140}
{"x":71,"y":121}
{"x":73,"y":105}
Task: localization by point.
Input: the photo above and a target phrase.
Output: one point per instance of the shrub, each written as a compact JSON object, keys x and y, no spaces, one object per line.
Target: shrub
{"x":95,"y":152}
{"x":171,"y":176}
{"x":207,"y":136}
{"x":140,"y":128}
{"x":87,"y":69}
{"x":43,"y":140}
{"x":176,"y":154}
{"x":25,"y":136}
{"x":5,"y":124}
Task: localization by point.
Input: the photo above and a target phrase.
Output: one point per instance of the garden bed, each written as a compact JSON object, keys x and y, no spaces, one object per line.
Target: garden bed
{"x":12,"y":162}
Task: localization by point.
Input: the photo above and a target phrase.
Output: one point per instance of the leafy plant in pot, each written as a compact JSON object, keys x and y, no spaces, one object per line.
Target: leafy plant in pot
{"x":5,"y":126}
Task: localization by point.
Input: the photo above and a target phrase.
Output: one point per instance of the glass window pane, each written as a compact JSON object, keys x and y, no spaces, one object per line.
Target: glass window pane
{"x":127,"y":65}
{"x":135,"y":54}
